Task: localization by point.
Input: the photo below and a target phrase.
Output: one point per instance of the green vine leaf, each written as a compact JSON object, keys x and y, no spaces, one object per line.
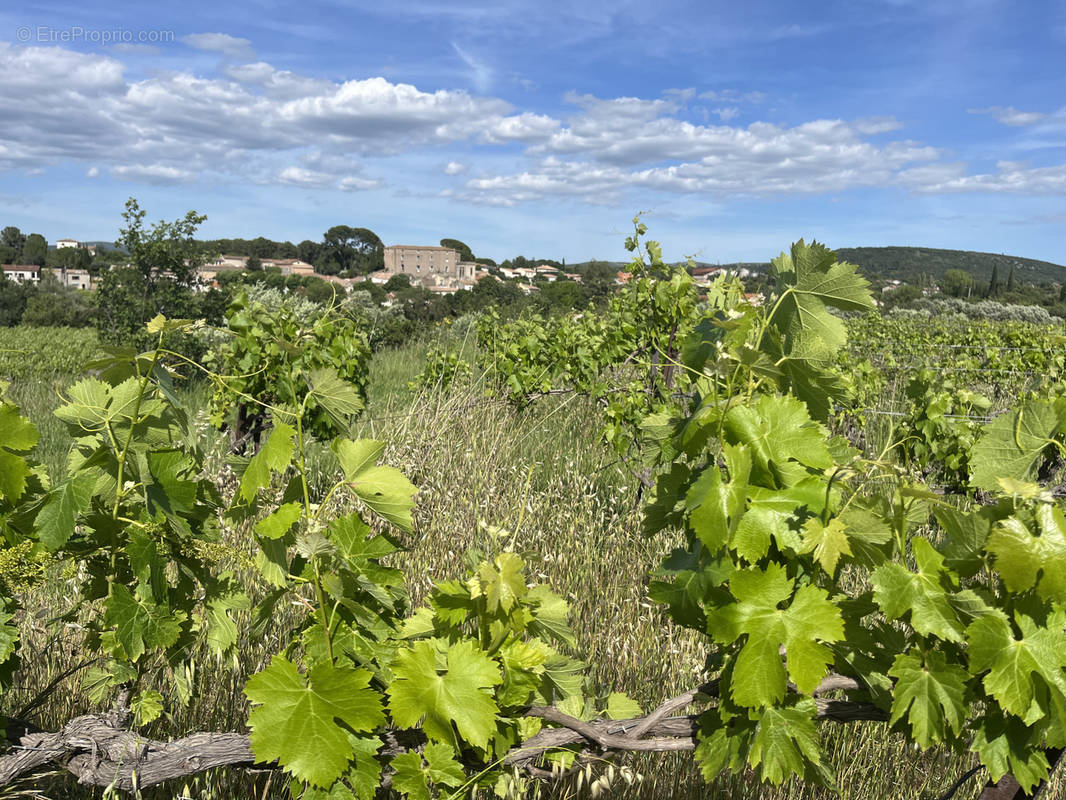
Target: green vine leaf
{"x":828,"y":542}
{"x":416,"y":774}
{"x":140,"y":624}
{"x":929,"y":694}
{"x":502,"y":583}
{"x":458,"y":695}
{"x":781,"y":436}
{"x":898,"y":591}
{"x":1012,"y":663}
{"x":1011,"y":445}
{"x":17,"y":435}
{"x":786,"y":742}
{"x":338,"y":398}
{"x":274,"y":456}
{"x":1021,"y":557}
{"x":812,"y":279}
{"x":810,"y":620}
{"x":56,"y":519}
{"x":299,"y":722}
{"x":385,"y":490}
{"x":278,"y":522}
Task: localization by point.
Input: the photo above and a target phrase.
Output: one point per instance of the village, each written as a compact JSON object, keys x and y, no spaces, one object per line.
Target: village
{"x":437,"y":269}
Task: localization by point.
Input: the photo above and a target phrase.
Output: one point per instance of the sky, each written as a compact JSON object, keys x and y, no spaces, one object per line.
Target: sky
{"x":541,"y":128}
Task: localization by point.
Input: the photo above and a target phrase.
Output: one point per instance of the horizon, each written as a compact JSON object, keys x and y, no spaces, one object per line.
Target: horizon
{"x":541,"y":130}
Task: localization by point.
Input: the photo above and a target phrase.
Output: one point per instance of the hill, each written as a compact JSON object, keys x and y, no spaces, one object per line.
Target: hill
{"x":907,"y":263}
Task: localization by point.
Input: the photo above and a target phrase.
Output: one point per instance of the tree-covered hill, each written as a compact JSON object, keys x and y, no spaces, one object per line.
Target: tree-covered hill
{"x":907,"y":263}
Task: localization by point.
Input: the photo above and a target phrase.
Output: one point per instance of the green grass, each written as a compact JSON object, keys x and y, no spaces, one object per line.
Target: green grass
{"x":28,"y":352}
{"x":539,"y":481}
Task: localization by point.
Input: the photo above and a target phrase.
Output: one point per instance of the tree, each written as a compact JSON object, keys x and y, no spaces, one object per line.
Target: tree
{"x":308,"y":251}
{"x":69,"y":258}
{"x":398,"y":282}
{"x":351,"y":250}
{"x":956,"y":282}
{"x":560,"y":297}
{"x":53,"y":304}
{"x":465,"y":253}
{"x":12,"y":237}
{"x":320,"y":291}
{"x":993,"y":284}
{"x":35,"y":251}
{"x":168,"y":251}
{"x":1010,"y":280}
{"x":13,"y":298}
{"x":262,"y":247}
{"x":253,"y":264}
{"x":8,"y":254}
{"x":163,"y":265}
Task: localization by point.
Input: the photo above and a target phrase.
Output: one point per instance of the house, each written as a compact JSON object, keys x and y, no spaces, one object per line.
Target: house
{"x":24,"y":273}
{"x":623,"y":277}
{"x":289,"y":266}
{"x":64,"y":243}
{"x":75,"y":278}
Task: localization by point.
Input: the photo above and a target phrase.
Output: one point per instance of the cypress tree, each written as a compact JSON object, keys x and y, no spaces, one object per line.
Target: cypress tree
{"x":993,"y":285}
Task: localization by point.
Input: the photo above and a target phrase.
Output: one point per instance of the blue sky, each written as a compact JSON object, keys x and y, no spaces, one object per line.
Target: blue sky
{"x":542,"y":127}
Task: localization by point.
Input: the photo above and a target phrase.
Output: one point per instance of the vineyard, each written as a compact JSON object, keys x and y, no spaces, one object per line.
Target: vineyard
{"x":691,"y":544}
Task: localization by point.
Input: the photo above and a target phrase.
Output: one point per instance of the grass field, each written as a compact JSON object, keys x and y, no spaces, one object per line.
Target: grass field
{"x":537,"y":481}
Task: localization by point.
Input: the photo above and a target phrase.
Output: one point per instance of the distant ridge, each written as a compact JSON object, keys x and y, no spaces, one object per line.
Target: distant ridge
{"x":907,"y":263}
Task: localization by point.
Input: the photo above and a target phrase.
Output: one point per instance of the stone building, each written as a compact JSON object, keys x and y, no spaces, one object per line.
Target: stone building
{"x":421,"y":262}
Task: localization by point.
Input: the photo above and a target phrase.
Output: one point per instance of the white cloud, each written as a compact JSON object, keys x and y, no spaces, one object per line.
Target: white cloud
{"x":763,"y":159}
{"x":254,"y":123}
{"x":151,"y":173}
{"x":1009,"y":115}
{"x":93,"y":172}
{"x":249,"y":124}
{"x":299,"y":176}
{"x":354,"y":183}
{"x":316,"y":179}
{"x":733,"y":96}
{"x":1009,"y":178}
{"x":870,"y":126}
{"x":481,"y":74}
{"x":681,"y":95}
{"x":223,"y":43}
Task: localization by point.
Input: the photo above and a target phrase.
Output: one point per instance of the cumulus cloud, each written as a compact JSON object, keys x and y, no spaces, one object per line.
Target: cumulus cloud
{"x":223,"y":43}
{"x":815,"y":157}
{"x":253,"y":122}
{"x":249,"y":123}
